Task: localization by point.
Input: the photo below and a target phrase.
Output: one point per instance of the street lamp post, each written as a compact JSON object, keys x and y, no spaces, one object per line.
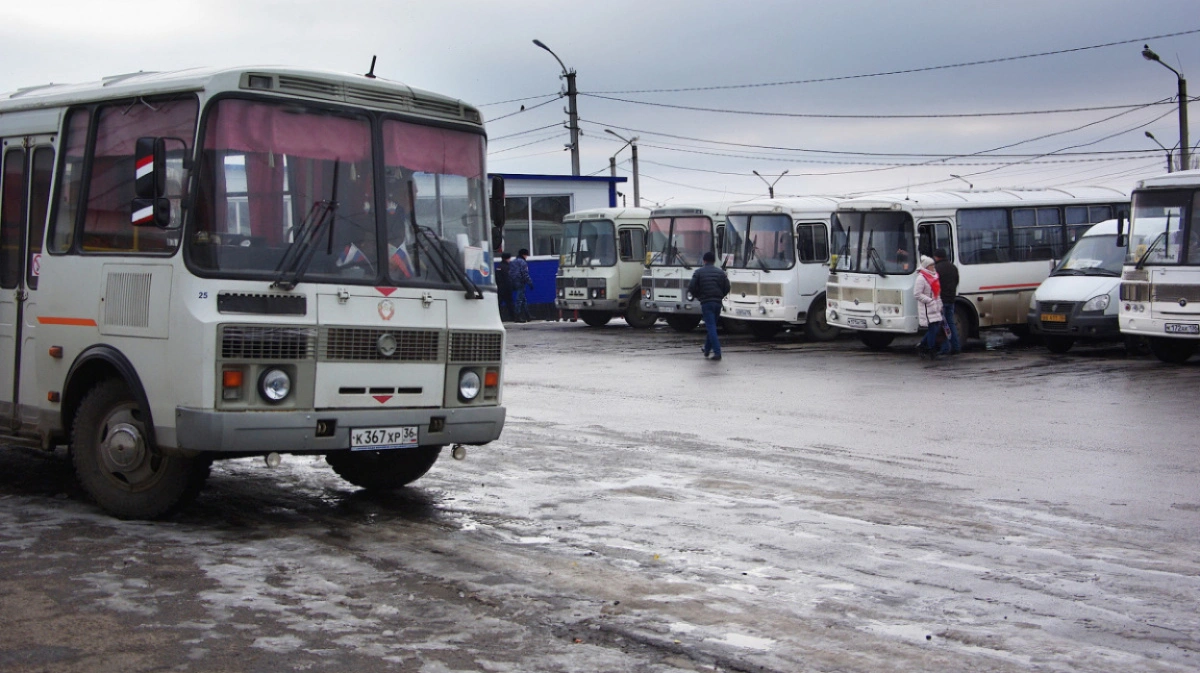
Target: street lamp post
{"x":1151,"y":136}
{"x":572,"y":111}
{"x":612,"y":162}
{"x":770,"y":185}
{"x":1184,"y":159}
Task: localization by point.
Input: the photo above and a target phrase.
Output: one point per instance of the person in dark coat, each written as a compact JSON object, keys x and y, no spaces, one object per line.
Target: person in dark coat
{"x":504,"y":287}
{"x":709,"y":285}
{"x":518,"y":274}
{"x":948,"y":275}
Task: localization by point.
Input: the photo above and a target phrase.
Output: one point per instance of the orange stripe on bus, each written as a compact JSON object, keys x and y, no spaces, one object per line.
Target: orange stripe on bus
{"x":1007,"y":287}
{"x":78,"y":322}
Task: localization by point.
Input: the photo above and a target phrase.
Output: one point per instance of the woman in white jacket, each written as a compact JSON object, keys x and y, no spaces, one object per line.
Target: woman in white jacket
{"x":927,"y":290}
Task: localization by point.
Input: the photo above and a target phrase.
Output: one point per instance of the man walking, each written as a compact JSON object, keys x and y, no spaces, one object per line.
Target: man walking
{"x":948,"y":275}
{"x":709,"y":286}
{"x":518,"y":273}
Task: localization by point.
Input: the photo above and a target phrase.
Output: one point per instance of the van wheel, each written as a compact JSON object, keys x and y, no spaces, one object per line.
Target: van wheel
{"x":118,"y":466}
{"x":636,"y":317}
{"x":595,"y":318}
{"x":1058,"y":344}
{"x":383,"y":470}
{"x":683,"y":323}
{"x":817,"y":327}
{"x":876,"y":340}
{"x":1174,"y":351}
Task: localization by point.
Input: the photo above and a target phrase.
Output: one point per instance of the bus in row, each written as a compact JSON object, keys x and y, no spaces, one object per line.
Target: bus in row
{"x":219,"y":263}
{"x":676,"y":241}
{"x":1160,"y":280}
{"x":1004,"y":243}
{"x":600,"y":266}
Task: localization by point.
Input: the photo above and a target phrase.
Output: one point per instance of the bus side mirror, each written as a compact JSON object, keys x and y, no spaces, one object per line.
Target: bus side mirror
{"x":150,"y":207}
{"x":1122,"y":239}
{"x":496,"y":201}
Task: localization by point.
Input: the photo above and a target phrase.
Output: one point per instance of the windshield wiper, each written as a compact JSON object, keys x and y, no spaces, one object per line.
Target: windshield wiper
{"x":873,"y":255}
{"x":1160,"y":238}
{"x":754,"y":253}
{"x":300,"y":252}
{"x":673,"y":254}
{"x":445,"y":266}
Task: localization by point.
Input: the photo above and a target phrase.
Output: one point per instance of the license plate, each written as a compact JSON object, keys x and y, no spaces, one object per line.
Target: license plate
{"x":666,"y":308}
{"x":741,"y":311}
{"x":374,"y":439}
{"x":1181,"y":328}
{"x":1054,"y":317}
{"x":856,"y":322}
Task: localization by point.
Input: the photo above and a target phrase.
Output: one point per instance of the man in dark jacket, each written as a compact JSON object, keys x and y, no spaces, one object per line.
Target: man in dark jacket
{"x":948,"y":275}
{"x":709,"y":286}
{"x":504,"y":288}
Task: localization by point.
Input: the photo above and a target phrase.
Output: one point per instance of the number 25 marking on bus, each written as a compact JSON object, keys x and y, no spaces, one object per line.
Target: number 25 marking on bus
{"x":204,"y":295}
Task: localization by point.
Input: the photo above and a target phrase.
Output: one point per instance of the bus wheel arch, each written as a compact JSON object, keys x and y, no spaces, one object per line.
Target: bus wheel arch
{"x":966,"y":319}
{"x":93,"y":367}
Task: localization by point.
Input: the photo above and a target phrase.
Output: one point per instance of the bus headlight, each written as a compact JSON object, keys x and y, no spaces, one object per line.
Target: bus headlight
{"x":690,"y":297}
{"x":274,"y":385}
{"x":876,"y":319}
{"x":469,"y":385}
{"x":1097,"y":303}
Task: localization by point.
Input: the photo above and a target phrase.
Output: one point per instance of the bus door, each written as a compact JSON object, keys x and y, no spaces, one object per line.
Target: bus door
{"x":26,"y":167}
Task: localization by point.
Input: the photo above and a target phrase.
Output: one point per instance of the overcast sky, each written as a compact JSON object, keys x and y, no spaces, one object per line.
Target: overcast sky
{"x":636,"y":62}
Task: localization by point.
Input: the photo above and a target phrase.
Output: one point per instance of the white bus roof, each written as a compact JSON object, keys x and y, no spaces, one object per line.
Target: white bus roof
{"x":608,"y":214}
{"x":791,"y":205}
{"x":711,"y":208}
{"x":303,"y":83}
{"x":981,"y":198}
{"x":1180,"y":179}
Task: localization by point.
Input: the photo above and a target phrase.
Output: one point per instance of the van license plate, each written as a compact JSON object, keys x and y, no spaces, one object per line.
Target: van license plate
{"x":1054,"y":317}
{"x":856,"y":322}
{"x":376,"y":439}
{"x":1181,"y":328}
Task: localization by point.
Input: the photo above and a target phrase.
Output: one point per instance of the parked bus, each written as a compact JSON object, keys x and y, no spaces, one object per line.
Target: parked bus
{"x":1160,"y":282}
{"x":1002,"y":241}
{"x":236,"y":262}
{"x":676,"y":242}
{"x":603,"y":253}
{"x":776,"y":253}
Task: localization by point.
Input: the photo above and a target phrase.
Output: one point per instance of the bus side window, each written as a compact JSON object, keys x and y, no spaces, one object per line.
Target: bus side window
{"x":39,"y":204}
{"x":12,"y":207}
{"x":983,"y":236}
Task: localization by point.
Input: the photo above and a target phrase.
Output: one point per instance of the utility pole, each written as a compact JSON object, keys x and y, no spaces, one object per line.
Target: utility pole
{"x":612,"y":162}
{"x":1184,"y":158}
{"x":572,"y":111}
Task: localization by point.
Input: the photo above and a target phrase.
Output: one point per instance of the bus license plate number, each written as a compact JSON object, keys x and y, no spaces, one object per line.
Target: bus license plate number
{"x":375,"y":439}
{"x":741,"y":311}
{"x":1054,"y":317}
{"x":1181,"y":328}
{"x":856,"y":322}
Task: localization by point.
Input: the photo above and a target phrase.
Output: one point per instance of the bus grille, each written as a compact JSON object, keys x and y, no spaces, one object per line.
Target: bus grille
{"x":247,"y":342}
{"x":668,"y":283}
{"x":1174,"y":293}
{"x":352,"y":344}
{"x":475,"y":346}
{"x":743,"y":287}
{"x":1135,"y":292}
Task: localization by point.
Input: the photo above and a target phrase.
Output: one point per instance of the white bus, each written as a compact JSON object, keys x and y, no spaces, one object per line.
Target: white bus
{"x":1160,"y":282}
{"x":776,"y":253}
{"x":601,"y":259}
{"x":1002,"y":241}
{"x":223,"y":263}
{"x":675,"y":245}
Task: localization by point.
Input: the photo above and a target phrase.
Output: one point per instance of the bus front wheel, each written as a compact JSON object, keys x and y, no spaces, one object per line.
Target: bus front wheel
{"x":683,"y":323}
{"x":636,"y":317}
{"x":117,"y":464}
{"x":595,"y":318}
{"x":383,"y":470}
{"x":876,"y":340}
{"x":817,"y":327}
{"x":1174,"y":351}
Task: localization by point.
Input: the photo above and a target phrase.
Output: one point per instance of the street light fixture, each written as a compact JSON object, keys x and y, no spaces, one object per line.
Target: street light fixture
{"x":1151,"y":136}
{"x":612,"y":162}
{"x":1184,"y":159}
{"x":572,"y":111}
{"x":770,"y":185}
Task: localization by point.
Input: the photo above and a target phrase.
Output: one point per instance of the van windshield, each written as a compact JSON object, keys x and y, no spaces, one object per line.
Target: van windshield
{"x":1093,"y":256}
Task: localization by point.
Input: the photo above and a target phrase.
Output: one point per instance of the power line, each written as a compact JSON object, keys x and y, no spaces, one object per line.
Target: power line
{"x":899,"y":72}
{"x":518,"y":100}
{"x":521,"y":133}
{"x":523,"y":109}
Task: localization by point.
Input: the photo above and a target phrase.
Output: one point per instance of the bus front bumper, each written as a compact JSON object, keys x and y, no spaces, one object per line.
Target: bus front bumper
{"x":613,"y":305}
{"x":326,"y":430}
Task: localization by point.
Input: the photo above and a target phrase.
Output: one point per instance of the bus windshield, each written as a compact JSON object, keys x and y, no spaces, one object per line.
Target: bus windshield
{"x":589,"y":243}
{"x":1156,"y":228}
{"x":759,"y":242}
{"x":1092,"y":256}
{"x":269,"y":171}
{"x":680,"y":241}
{"x":874,"y":242}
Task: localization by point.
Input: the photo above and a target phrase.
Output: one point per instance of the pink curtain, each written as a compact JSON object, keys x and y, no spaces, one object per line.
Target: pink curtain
{"x":121,"y":125}
{"x":432,"y":150}
{"x":264,"y":185}
{"x":248,"y":126}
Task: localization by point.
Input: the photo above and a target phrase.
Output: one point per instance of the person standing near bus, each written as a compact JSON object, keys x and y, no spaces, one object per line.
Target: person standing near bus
{"x":709,"y":285}
{"x":518,"y":274}
{"x":948,"y":276}
{"x":927,"y":291}
{"x":504,"y":287}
